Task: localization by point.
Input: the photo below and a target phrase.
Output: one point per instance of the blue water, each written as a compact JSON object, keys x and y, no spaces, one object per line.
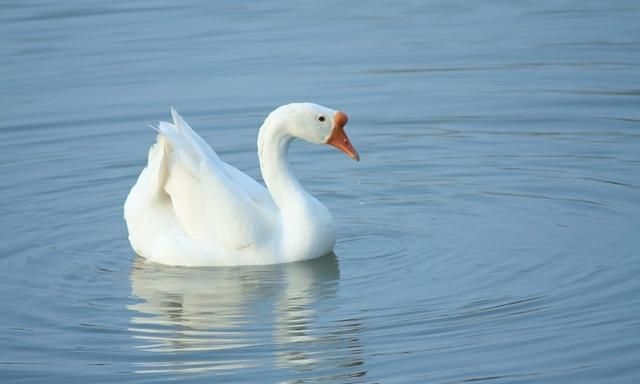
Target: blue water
{"x":490,"y":232}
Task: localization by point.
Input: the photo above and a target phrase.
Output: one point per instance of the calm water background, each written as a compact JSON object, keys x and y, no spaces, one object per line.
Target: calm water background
{"x":491,"y":231}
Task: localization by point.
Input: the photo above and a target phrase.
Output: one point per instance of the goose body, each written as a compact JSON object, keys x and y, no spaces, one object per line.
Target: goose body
{"x":190,"y":208}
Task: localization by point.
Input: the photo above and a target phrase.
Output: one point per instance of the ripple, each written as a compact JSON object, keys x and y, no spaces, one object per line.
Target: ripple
{"x":488,"y":234}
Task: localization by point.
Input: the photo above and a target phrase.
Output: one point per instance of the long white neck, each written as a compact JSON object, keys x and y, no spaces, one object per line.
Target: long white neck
{"x":308,"y":229}
{"x":273,"y":146}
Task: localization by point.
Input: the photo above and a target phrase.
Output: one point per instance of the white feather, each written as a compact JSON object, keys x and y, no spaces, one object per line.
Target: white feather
{"x":188,"y":207}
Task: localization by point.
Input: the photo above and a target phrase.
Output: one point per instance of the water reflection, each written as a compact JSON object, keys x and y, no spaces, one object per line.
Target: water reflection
{"x":212,"y":319}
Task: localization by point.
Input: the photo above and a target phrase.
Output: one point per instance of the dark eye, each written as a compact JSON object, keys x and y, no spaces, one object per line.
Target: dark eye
{"x":321,"y":118}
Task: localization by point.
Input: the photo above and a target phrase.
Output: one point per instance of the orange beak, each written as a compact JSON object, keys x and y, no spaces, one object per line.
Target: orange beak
{"x":338,"y":138}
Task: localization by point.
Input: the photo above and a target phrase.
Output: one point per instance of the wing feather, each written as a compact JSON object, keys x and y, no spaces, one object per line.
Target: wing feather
{"x":212,"y":200}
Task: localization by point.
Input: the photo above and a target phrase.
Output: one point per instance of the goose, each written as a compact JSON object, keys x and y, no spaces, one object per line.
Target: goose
{"x":190,"y":208}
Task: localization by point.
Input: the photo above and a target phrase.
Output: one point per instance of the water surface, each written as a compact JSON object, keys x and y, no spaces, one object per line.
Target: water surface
{"x":490,"y":232}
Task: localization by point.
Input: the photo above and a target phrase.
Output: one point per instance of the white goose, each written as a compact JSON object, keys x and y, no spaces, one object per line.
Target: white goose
{"x":190,"y":208}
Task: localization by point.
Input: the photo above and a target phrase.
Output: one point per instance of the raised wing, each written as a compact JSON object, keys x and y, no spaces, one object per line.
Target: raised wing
{"x":213,"y":201}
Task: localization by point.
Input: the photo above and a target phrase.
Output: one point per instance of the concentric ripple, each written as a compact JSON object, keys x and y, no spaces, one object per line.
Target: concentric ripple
{"x":488,"y":234}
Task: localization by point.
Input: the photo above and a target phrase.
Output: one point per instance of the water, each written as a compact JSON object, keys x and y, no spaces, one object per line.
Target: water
{"x":490,"y":232}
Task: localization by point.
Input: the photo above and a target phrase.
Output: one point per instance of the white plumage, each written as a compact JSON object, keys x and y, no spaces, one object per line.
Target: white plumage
{"x":190,"y":208}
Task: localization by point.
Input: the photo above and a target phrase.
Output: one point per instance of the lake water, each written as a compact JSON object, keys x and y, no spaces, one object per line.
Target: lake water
{"x":491,"y":231}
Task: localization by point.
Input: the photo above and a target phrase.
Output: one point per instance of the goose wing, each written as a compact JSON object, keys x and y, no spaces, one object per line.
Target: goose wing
{"x":212,"y":201}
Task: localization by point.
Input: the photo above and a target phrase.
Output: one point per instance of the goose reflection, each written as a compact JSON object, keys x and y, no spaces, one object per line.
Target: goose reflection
{"x":212,"y":319}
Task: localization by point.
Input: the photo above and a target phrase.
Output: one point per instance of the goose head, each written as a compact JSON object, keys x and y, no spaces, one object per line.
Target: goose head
{"x":318,"y":125}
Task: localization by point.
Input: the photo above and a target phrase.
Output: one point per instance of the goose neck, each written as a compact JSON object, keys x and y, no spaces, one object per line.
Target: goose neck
{"x":273,"y":147}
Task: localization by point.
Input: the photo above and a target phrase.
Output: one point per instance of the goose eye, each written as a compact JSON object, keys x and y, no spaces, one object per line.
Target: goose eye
{"x":321,"y":118}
